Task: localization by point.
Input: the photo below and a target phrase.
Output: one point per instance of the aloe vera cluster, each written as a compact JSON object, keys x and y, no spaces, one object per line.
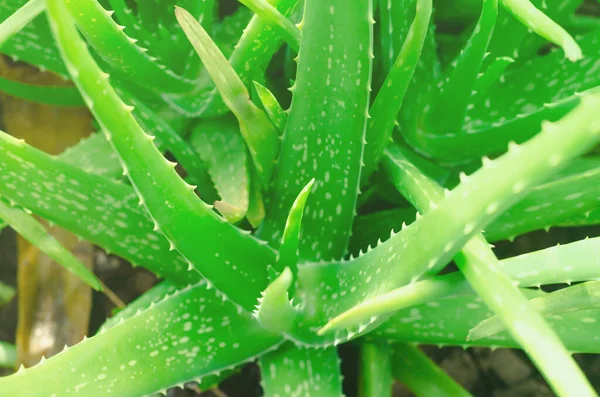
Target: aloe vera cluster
{"x":465,"y":138}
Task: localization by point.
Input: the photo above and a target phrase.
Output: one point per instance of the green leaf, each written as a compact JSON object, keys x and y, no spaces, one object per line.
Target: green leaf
{"x":272,"y":107}
{"x":129,"y":359}
{"x":222,"y":149}
{"x":34,"y":232}
{"x":422,"y":377}
{"x":101,"y":211}
{"x":538,"y":22}
{"x":17,"y":21}
{"x":584,"y":296}
{"x":258,"y":132}
{"x":32,"y":44}
{"x":50,"y":95}
{"x":265,"y":10}
{"x":176,"y":210}
{"x":450,"y":105}
{"x":375,"y":377}
{"x":324,"y":134}
{"x":297,"y":371}
{"x":388,"y":102}
{"x":288,"y":255}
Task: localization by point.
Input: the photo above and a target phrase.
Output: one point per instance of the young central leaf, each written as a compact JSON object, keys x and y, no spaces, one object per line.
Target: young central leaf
{"x":325,"y":130}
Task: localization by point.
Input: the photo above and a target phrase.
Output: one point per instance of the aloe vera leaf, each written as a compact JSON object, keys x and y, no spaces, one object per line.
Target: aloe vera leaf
{"x":327,"y":118}
{"x":274,"y":310}
{"x":272,"y":107}
{"x":8,"y":355}
{"x":95,"y":156}
{"x":249,"y":59}
{"x":545,"y":88}
{"x":417,"y":372}
{"x":549,"y":205}
{"x":17,"y":21}
{"x":34,"y":232}
{"x":99,"y":210}
{"x":375,"y":377}
{"x":167,"y":139}
{"x":566,"y":200}
{"x":288,"y":254}
{"x":228,"y":31}
{"x":479,"y":265}
{"x":211,"y":338}
{"x":256,"y":204}
{"x":269,"y":13}
{"x":142,"y":303}
{"x":538,"y":22}
{"x":584,"y":296}
{"x":292,"y":370}
{"x":51,"y":95}
{"x":258,"y":132}
{"x":120,"y":51}
{"x":457,"y":315}
{"x":371,"y":229}
{"x":450,"y":106}
{"x":490,"y":76}
{"x":397,"y":16}
{"x":495,"y":189}
{"x":388,"y":101}
{"x":176,"y":210}
{"x":32,"y":44}
{"x":553,"y":265}
{"x":223,"y":150}
{"x":585,"y":219}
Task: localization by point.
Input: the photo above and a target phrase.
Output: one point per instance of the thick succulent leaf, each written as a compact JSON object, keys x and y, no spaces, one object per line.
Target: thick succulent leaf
{"x":167,"y":139}
{"x":120,"y":51}
{"x":288,"y":254}
{"x":274,"y":310}
{"x":324,"y":134}
{"x":94,"y":155}
{"x":569,"y":199}
{"x":176,"y":210}
{"x":33,"y":44}
{"x":104,"y":212}
{"x":450,"y":105}
{"x":550,"y":266}
{"x":36,"y":234}
{"x":269,"y":13}
{"x":375,"y":378}
{"x":50,"y":95}
{"x":295,"y":371}
{"x":221,"y":147}
{"x":272,"y":107}
{"x":249,"y":59}
{"x":454,"y":317}
{"x":584,"y":296}
{"x":18,"y":20}
{"x":423,"y":377}
{"x":389,"y":100}
{"x":256,"y":129}
{"x":228,"y":31}
{"x":493,"y":189}
{"x":396,"y":17}
{"x":550,"y":204}
{"x":545,"y":88}
{"x":541,"y":24}
{"x":479,"y":265}
{"x":128,"y":359}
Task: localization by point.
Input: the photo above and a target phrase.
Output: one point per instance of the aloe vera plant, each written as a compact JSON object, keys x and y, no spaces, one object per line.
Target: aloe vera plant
{"x":257,"y":235}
